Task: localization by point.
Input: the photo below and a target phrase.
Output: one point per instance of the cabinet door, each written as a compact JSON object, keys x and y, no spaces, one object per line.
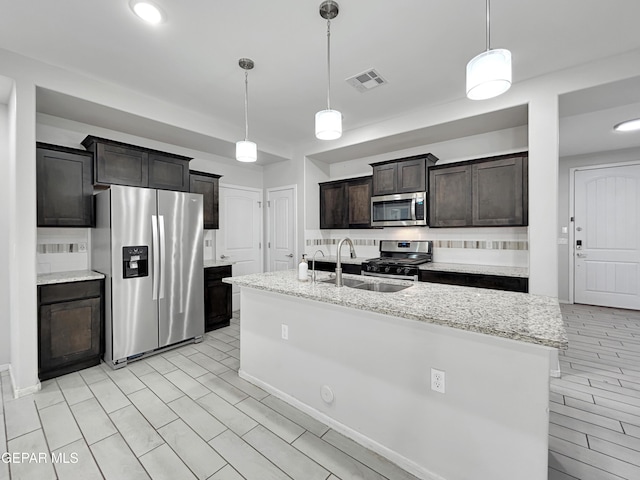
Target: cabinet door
{"x":411,"y":176}
{"x":498,"y":193}
{"x":69,"y":332}
{"x":333,"y":205}
{"x":168,"y":173}
{"x":450,"y":196}
{"x":210,"y":189}
{"x":217,"y":298}
{"x":359,"y":200}
{"x":64,"y":188}
{"x":119,"y":165}
{"x":385,"y":179}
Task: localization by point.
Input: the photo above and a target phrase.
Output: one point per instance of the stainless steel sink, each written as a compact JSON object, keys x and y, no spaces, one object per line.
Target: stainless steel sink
{"x":347,"y":282}
{"x":373,"y":287}
{"x":381,"y":287}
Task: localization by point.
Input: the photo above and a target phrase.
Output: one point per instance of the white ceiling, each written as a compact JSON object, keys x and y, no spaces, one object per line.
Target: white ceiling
{"x":420,"y":47}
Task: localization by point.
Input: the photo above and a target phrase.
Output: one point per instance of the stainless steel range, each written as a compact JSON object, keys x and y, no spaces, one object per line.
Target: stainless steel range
{"x":399,"y":259}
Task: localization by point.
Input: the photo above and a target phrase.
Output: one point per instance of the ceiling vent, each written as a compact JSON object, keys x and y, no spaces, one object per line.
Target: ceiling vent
{"x":367,"y":80}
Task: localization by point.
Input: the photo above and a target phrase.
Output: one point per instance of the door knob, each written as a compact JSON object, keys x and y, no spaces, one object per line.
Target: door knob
{"x":581,"y":255}
{"x":223,"y":257}
{"x":290,"y":255}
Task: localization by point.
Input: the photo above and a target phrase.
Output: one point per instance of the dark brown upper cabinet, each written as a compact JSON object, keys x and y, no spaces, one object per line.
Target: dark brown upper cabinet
{"x":346,"y":203}
{"x":208,"y":185}
{"x":123,"y":164}
{"x":487,"y":192}
{"x":450,"y":196}
{"x":404,"y":175}
{"x":64,"y":179}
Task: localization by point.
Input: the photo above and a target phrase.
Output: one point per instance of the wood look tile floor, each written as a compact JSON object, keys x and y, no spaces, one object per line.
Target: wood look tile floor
{"x":594,"y":425}
{"x":186,"y":414}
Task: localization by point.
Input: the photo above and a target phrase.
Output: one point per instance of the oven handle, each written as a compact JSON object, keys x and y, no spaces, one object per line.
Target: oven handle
{"x":388,"y":275}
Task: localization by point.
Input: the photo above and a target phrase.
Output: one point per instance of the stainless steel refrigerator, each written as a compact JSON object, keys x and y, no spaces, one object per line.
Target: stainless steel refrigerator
{"x":148,"y":244}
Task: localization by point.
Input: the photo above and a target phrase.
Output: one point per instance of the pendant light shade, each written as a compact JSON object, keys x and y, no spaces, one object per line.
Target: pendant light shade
{"x":489,"y":73}
{"x":328,"y":122}
{"x":628,"y":126}
{"x":246,"y":151}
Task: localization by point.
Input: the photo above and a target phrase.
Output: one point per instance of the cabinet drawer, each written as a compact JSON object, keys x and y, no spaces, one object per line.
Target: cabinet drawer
{"x":217,"y":273}
{"x":63,"y":292}
{"x":495,"y":282}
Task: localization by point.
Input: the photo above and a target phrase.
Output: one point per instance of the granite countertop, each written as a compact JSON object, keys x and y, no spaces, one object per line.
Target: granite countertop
{"x":517,"y":316}
{"x":65,"y":277}
{"x":216,"y":263}
{"x":522,"y":272}
{"x":345,"y":259}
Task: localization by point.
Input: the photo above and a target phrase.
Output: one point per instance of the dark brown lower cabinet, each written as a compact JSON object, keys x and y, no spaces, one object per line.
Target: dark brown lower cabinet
{"x":217,"y":298}
{"x":353,"y":268}
{"x":70,"y":327}
{"x":496,"y":282}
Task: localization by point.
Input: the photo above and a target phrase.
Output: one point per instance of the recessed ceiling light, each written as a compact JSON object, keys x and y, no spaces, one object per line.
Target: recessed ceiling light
{"x":628,"y":125}
{"x":147,"y":11}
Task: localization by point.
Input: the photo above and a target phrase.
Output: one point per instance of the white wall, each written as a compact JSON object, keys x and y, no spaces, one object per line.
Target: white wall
{"x":564,"y":213}
{"x":467,"y":148}
{"x":5,"y":280}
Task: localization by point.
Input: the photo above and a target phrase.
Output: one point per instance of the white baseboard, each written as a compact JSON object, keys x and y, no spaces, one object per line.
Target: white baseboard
{"x":394,"y":457}
{"x":21,"y":392}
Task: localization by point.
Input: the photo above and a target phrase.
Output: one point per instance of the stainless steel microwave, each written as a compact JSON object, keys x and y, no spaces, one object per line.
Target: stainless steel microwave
{"x":399,"y":210}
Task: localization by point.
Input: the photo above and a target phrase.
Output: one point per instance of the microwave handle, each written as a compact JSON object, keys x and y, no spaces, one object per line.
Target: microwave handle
{"x":413,"y":209}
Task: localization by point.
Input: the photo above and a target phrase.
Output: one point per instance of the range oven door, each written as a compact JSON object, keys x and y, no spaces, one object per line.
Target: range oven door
{"x":399,"y":210}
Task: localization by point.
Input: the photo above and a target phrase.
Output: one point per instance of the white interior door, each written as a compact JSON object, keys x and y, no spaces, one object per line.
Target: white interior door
{"x":607,"y":236}
{"x":240,"y":234}
{"x":282,"y":228}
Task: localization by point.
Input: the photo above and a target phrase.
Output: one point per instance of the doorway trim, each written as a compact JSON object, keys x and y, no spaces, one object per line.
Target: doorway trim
{"x":572,"y":211}
{"x":294,"y":187}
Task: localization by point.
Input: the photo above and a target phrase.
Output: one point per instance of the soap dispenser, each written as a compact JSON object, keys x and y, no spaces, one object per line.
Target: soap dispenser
{"x":303,"y":268}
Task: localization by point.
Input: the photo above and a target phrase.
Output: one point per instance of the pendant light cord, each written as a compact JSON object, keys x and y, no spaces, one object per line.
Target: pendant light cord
{"x":246,"y":105}
{"x":488,"y":33}
{"x":328,"y":64}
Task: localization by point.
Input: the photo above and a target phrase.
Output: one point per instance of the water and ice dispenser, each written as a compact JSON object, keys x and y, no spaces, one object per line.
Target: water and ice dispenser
{"x":135,"y":261}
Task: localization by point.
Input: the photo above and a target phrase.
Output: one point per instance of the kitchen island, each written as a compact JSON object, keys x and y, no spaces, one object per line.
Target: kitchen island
{"x":361,"y":362}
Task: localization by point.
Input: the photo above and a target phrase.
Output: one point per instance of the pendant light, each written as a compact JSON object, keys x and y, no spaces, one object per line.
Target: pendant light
{"x":328,"y":122}
{"x":628,"y":126}
{"x":246,"y":151}
{"x":489,"y":73}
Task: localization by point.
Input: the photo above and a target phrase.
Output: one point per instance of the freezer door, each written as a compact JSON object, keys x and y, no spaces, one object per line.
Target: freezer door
{"x":181,"y":289}
{"x":134,"y":311}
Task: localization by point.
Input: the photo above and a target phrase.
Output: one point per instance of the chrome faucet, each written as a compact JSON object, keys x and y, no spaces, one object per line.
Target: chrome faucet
{"x":339,"y":262}
{"x":313,"y":265}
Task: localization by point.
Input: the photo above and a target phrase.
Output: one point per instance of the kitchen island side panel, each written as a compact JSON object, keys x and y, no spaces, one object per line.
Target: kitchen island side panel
{"x":492,"y":422}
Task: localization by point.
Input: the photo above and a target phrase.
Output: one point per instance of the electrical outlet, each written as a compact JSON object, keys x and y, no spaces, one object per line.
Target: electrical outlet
{"x":437,"y":380}
{"x":82,"y":247}
{"x":285,"y":331}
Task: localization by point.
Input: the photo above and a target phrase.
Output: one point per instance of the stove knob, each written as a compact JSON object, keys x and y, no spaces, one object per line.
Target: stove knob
{"x":407,"y":270}
{"x":386,"y":269}
{"x":399,"y":270}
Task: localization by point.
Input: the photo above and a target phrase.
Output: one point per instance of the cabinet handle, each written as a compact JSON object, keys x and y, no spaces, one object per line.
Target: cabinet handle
{"x":290,"y":255}
{"x":223,"y":257}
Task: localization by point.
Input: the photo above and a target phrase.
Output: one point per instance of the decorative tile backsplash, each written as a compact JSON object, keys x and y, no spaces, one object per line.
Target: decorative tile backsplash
{"x":473,"y":244}
{"x":334,"y":241}
{"x":61,"y":248}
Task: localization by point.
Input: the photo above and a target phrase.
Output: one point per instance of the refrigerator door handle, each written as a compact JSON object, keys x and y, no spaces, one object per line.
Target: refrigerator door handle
{"x":162,"y":256}
{"x":156,"y":263}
